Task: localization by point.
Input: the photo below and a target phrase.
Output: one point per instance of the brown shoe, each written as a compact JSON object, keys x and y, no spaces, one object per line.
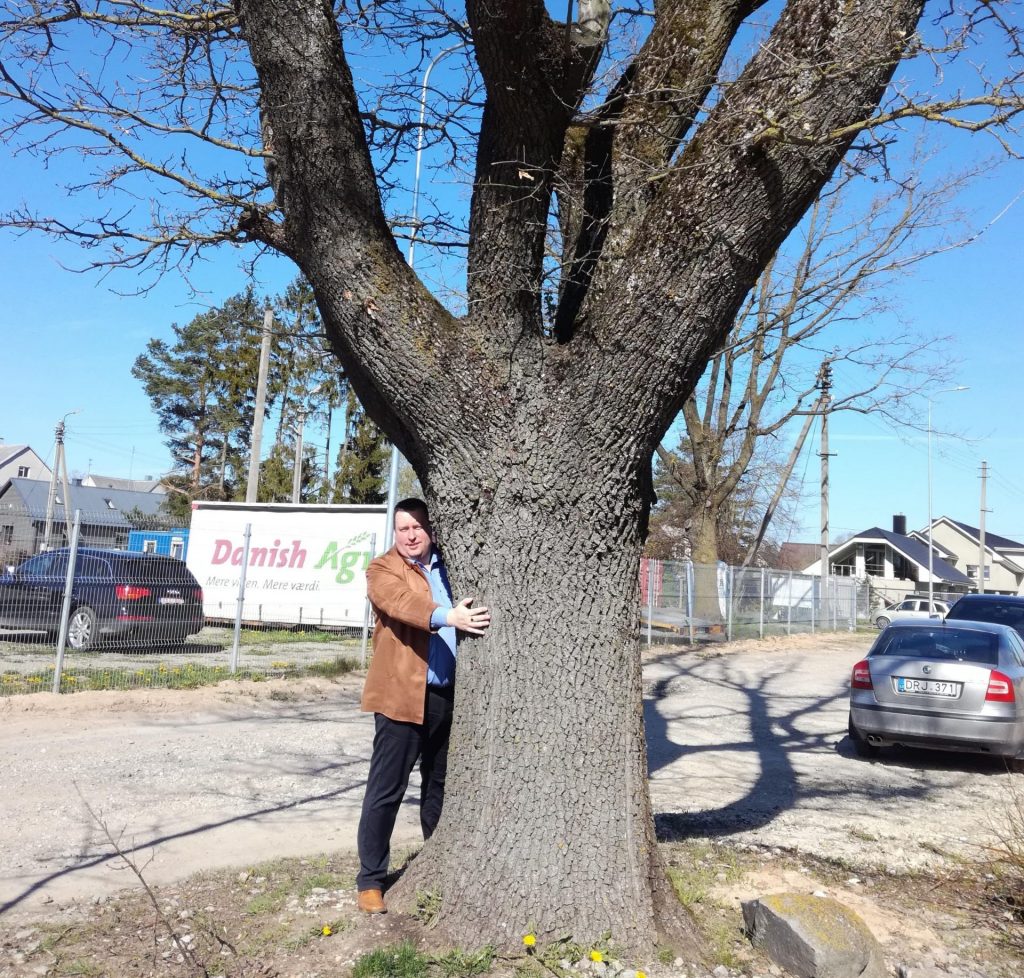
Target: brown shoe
{"x":370,"y":901}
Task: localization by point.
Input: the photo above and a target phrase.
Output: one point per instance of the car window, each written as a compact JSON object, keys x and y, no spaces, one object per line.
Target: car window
{"x":959,"y":644}
{"x":36,"y":566}
{"x":907,"y":606}
{"x":91,"y":567}
{"x":1000,"y":612}
{"x":1016,"y":647}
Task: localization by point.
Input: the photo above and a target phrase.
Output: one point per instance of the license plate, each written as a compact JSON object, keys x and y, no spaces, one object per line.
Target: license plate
{"x":930,"y":687}
{"x":172,"y":601}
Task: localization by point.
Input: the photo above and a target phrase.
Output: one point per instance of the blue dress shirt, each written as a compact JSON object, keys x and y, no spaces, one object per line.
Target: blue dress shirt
{"x":441,"y":655}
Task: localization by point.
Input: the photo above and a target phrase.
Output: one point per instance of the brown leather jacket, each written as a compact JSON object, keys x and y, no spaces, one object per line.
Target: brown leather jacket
{"x":396,"y":683}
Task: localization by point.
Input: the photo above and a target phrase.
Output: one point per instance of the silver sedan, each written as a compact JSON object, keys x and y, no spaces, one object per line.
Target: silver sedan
{"x":944,"y":685}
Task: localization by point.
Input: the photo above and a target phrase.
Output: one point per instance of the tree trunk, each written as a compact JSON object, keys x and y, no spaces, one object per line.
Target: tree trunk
{"x":547,"y":825}
{"x":704,"y":554}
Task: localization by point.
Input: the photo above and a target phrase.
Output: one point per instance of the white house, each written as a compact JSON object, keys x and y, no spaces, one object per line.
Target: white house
{"x":895,"y":563}
{"x":20,"y":462}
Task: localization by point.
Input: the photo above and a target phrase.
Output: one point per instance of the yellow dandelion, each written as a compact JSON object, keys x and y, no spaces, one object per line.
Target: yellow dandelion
{"x":326,"y":930}
{"x":530,"y":940}
{"x":641,"y":974}
{"x":596,"y":956}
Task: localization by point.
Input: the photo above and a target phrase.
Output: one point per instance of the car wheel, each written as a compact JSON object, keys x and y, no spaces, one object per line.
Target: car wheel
{"x":860,"y":742}
{"x":82,"y":628}
{"x":1015,"y":764}
{"x":882,"y":622}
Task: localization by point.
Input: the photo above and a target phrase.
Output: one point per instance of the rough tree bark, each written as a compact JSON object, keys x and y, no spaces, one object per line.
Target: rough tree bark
{"x":532,"y":436}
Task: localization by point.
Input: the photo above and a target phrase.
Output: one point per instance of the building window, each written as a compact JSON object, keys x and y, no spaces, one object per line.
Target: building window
{"x":972,"y":571}
{"x":149,"y":546}
{"x":6,"y":534}
{"x":23,"y":472}
{"x":178,"y":548}
{"x":874,"y":560}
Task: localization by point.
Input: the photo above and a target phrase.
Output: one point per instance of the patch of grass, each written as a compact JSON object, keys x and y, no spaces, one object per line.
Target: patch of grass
{"x":863,"y":835}
{"x":160,"y":676}
{"x":400,"y":961}
{"x":332,"y":667}
{"x":323,"y":881}
{"x":283,"y":636}
{"x":78,"y":967}
{"x":269,"y":902}
{"x":428,"y":906}
{"x":464,"y":964}
{"x":707,"y":866}
{"x":1003,"y":876}
{"x":723,"y":940}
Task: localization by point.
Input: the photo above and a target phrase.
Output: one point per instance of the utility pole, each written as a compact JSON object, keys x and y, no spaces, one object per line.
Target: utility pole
{"x":981,"y":532}
{"x":252,"y":487}
{"x":297,"y":468}
{"x":60,"y":469}
{"x":825,"y":383}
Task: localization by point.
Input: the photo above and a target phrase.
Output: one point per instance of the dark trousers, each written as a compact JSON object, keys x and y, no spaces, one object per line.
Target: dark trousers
{"x":396,"y":748}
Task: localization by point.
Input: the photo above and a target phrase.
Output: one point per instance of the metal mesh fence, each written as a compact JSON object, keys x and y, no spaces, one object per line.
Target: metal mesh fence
{"x":683,"y":601}
{"x":110,"y":605}
{"x":125,"y":610}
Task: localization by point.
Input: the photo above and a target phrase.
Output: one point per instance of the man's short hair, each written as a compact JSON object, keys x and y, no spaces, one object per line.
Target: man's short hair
{"x":412,"y":505}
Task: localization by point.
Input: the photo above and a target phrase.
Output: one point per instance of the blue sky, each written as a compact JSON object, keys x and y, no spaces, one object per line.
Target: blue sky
{"x":70,"y":340}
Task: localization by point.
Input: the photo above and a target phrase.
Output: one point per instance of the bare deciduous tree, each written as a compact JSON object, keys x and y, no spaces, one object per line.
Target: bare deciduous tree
{"x":532,"y":435}
{"x":821,"y":298}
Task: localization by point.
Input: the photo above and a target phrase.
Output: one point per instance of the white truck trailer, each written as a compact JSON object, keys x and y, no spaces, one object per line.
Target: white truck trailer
{"x":306,"y":564}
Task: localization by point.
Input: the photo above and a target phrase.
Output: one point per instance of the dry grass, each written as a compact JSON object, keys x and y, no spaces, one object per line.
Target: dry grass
{"x":1003,"y":874}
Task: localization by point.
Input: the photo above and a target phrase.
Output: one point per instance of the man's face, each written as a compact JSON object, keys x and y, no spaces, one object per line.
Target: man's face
{"x":413,"y":535}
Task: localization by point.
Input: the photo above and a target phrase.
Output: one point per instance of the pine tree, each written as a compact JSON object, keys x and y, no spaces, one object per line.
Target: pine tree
{"x":363,"y":458}
{"x":202,"y":388}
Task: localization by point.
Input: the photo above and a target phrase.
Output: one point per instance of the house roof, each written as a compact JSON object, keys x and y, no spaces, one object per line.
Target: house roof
{"x":130,"y":485}
{"x":991,"y":539}
{"x":10,"y":452}
{"x":99,"y":506}
{"x":921,"y":536}
{"x":912,"y":549}
{"x":796,"y":556}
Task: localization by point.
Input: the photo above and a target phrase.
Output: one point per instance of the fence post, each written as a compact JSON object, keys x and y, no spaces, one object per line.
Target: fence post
{"x":760,"y":610}
{"x":650,"y":598}
{"x":241,"y":600}
{"x":814,"y":600}
{"x":731,"y":591}
{"x":366,"y":609}
{"x":69,"y":584}
{"x":689,"y":597}
{"x":789,"y":606}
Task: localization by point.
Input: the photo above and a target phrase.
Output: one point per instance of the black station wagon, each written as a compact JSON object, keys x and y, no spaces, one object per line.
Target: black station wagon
{"x":116,"y":595}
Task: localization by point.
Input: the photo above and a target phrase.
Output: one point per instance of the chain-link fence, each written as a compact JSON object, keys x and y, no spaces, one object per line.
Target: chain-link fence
{"x":115,"y":606}
{"x":99,"y":603}
{"x":691,"y":602}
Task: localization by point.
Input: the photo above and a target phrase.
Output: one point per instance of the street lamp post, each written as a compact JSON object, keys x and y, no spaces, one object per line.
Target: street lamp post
{"x":389,"y":526}
{"x":931,"y":582}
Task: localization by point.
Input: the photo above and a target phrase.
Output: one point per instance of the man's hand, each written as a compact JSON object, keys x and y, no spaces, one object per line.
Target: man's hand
{"x":467,"y":619}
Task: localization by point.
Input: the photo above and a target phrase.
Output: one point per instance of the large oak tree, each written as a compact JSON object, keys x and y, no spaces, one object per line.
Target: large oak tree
{"x":625,"y":198}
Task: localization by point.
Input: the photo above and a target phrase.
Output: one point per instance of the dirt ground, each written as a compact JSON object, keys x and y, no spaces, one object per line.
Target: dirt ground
{"x":239,"y":804}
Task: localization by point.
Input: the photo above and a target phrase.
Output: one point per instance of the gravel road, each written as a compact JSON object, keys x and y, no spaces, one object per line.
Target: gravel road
{"x":747,"y":741}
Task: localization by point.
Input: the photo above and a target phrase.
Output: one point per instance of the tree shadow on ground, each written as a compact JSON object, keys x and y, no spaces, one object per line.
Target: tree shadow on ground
{"x":770,"y":721}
